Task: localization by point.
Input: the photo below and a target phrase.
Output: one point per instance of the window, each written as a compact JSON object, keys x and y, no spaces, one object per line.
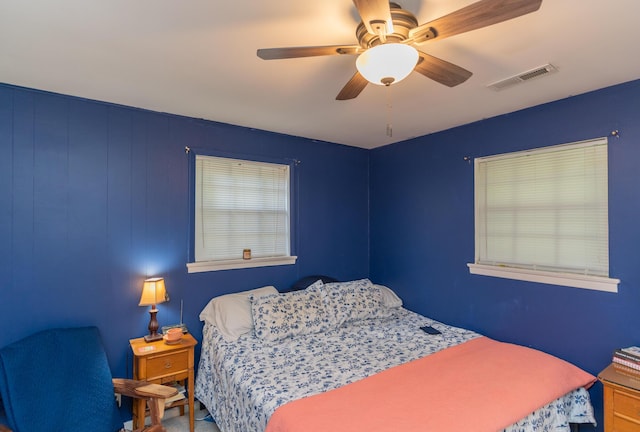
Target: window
{"x":240,"y":204}
{"x":542,"y":216}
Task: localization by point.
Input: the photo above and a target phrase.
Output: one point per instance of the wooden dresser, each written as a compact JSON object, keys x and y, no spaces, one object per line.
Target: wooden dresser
{"x":160,"y":363}
{"x":621,"y":401}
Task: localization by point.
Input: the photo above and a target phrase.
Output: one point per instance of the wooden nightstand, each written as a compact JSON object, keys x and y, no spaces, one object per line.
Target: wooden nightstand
{"x":160,"y":363}
{"x":621,"y":401}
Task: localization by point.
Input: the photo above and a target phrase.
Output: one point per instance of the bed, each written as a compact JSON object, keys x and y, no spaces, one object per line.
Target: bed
{"x":266,"y":354}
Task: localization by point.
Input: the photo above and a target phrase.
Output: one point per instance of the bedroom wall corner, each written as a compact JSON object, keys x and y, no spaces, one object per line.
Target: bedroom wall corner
{"x":422,"y":239}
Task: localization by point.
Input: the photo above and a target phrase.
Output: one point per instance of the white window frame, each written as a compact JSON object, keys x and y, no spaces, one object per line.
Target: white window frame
{"x":522,"y":271}
{"x":283,"y":257}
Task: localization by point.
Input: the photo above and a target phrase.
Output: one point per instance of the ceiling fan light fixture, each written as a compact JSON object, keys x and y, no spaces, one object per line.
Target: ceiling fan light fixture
{"x":387,"y":64}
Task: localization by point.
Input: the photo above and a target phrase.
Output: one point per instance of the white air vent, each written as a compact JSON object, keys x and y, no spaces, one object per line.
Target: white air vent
{"x":525,"y":76}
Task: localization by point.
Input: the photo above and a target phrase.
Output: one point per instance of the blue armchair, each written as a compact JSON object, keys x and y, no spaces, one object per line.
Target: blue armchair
{"x":59,"y":380}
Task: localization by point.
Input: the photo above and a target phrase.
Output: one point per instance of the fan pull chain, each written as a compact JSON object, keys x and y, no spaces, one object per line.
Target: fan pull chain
{"x":389,"y":113}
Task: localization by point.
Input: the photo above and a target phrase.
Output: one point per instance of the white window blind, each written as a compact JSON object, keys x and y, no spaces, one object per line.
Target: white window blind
{"x":240,"y":205}
{"x":545,"y":209}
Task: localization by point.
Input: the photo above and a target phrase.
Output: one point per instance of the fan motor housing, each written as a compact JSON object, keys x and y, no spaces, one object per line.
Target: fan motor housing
{"x":403,"y":21}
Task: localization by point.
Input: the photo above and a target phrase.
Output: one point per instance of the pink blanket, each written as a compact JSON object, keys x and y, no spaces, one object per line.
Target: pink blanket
{"x":480,"y":385}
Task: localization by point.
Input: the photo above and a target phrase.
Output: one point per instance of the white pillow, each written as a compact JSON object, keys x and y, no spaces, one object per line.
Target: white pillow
{"x":231,"y":313}
{"x":389,"y":298}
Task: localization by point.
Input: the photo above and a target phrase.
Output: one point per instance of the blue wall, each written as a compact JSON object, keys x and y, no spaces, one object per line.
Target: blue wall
{"x":94,"y":199}
{"x":422,"y":239}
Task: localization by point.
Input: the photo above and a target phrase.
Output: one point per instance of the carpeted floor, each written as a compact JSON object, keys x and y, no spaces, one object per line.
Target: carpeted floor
{"x":181,"y":423}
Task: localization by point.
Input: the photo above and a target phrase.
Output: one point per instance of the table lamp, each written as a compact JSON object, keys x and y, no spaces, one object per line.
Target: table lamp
{"x":153,"y":293}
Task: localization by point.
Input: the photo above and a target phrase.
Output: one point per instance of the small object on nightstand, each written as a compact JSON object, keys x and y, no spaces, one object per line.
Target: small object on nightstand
{"x":173,"y":336}
{"x":180,"y":326}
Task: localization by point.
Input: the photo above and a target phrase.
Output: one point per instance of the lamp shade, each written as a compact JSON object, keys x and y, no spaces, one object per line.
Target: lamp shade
{"x":153,"y":292}
{"x":387,"y":64}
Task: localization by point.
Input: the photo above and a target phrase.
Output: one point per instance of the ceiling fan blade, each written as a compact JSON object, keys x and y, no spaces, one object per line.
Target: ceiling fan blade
{"x":441,"y":71}
{"x":295,"y":52}
{"x":376,"y":16}
{"x":477,"y":15}
{"x":353,"y":88}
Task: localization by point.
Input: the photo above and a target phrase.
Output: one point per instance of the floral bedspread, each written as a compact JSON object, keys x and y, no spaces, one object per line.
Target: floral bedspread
{"x":242,"y":383}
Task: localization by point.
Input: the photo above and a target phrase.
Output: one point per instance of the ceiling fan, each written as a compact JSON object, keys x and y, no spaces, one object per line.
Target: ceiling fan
{"x":388,"y":35}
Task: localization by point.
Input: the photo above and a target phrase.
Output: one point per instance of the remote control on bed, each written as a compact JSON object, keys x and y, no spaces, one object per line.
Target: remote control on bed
{"x":430,"y":330}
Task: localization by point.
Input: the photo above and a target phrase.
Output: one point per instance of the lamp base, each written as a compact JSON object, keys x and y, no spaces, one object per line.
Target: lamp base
{"x":153,"y":327}
{"x":152,"y":338}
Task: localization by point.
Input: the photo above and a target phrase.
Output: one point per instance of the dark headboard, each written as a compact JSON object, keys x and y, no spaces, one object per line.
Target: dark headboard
{"x":308,"y":280}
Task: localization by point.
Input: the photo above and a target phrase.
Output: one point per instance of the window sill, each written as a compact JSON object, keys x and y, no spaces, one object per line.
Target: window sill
{"x":597,"y":283}
{"x":205,"y":266}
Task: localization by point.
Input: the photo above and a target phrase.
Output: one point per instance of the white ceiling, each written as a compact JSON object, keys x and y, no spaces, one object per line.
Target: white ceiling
{"x":198,"y":58}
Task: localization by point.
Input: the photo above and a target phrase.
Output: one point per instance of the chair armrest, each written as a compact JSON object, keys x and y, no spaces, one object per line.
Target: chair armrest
{"x":156,"y":391}
{"x":142,"y":389}
{"x":154,"y":394}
